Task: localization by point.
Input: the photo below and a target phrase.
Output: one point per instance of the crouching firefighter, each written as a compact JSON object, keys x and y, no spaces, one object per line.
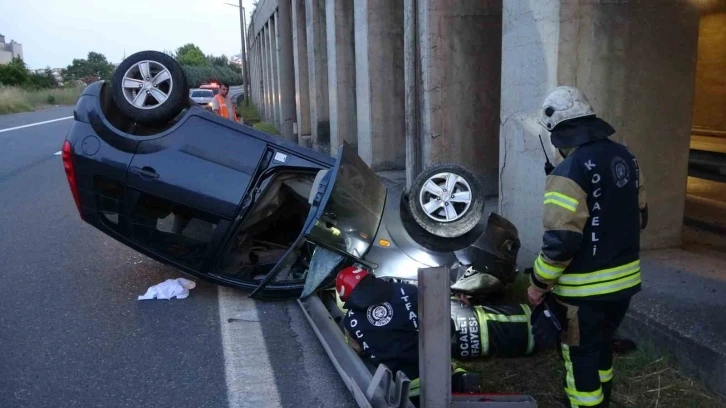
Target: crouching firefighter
{"x":382,"y":326}
{"x":594,"y":210}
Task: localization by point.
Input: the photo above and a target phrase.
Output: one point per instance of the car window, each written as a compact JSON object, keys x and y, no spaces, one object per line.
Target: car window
{"x":206,"y":94}
{"x":216,"y":91}
{"x":196,"y":94}
{"x":172,"y":229}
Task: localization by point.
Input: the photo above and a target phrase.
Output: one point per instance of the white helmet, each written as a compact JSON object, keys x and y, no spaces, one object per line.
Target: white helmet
{"x":564,"y":103}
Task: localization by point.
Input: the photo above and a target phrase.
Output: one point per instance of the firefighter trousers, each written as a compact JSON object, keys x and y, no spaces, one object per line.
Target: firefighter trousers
{"x":586,"y":350}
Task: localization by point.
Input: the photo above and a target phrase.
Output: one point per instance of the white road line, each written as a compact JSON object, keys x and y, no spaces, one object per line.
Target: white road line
{"x":35,"y":124}
{"x":58,"y":153}
{"x":250,"y":378}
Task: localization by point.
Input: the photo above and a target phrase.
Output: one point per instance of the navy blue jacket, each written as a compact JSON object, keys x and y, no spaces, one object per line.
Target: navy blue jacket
{"x":382,"y":319}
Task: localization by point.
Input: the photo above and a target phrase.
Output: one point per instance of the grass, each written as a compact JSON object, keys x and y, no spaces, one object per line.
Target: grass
{"x":251,"y":116}
{"x":248,"y":113}
{"x":641,"y":380}
{"x":13,"y":99}
{"x":267,"y":128}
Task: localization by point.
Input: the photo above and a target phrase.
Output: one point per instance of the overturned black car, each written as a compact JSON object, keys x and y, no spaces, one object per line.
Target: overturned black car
{"x":225,"y":202}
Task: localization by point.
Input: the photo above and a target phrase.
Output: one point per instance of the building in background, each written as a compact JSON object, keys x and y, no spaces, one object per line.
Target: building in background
{"x":8,"y":51}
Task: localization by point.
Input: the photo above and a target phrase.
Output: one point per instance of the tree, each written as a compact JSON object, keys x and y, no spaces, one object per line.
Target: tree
{"x":14,"y":73}
{"x":220,"y":61}
{"x":190,"y":54}
{"x":95,"y":67}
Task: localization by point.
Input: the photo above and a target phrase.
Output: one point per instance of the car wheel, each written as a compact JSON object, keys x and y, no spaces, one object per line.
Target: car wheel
{"x":446,"y":200}
{"x":150,"y":88}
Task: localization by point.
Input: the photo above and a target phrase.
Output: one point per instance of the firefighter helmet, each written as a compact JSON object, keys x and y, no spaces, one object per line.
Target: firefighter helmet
{"x":564,"y":103}
{"x":347,"y":279}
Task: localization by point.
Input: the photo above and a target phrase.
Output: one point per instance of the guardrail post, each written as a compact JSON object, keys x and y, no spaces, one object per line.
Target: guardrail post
{"x":434,"y":317}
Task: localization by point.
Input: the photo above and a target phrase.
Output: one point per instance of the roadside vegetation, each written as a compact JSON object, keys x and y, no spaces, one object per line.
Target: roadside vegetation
{"x":641,"y":379}
{"x":252,"y":118}
{"x":15,"y":99}
{"x":22,"y":89}
{"x":201,"y":68}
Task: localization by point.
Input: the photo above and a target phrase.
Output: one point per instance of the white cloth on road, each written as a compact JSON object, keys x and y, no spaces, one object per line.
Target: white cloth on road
{"x":168,"y":289}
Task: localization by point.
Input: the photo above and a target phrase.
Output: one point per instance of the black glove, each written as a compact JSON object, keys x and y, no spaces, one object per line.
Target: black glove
{"x":548,"y":167}
{"x":546,"y":329}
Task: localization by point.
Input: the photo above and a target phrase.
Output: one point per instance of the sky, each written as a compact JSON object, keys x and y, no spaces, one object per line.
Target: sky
{"x":54,"y":32}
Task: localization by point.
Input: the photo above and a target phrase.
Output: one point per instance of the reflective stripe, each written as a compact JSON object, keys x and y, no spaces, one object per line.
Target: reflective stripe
{"x":585,"y":399}
{"x":606,"y":375}
{"x":530,"y":336}
{"x":483,"y":330}
{"x":414,"y":388}
{"x":600,"y":276}
{"x":562,"y":200}
{"x":505,"y":319}
{"x":599,"y":288}
{"x":570,"y":377}
{"x":578,"y":398}
{"x":545,"y":270}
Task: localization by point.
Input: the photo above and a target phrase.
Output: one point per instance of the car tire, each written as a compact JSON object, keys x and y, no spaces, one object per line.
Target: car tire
{"x":157,"y":75}
{"x":430,"y":210}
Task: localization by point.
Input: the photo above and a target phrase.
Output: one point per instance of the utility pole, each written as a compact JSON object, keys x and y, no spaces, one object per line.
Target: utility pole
{"x":247,"y":88}
{"x":245,"y":70}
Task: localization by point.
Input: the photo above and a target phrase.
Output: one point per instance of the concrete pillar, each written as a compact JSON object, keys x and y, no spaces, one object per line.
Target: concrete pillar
{"x":261,"y":74}
{"x":318,"y":74}
{"x":285,"y":70}
{"x":270,"y":85}
{"x":264,"y":56}
{"x":255,"y":81}
{"x":635,"y":62}
{"x":260,"y":71}
{"x":380,"y":83}
{"x":274,"y":83}
{"x":300,"y":60}
{"x":341,"y":73}
{"x":411,"y":76}
{"x":460,"y":61}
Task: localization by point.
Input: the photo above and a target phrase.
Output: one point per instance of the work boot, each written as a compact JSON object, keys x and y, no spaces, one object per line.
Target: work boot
{"x":465,"y":382}
{"x":607,"y":389}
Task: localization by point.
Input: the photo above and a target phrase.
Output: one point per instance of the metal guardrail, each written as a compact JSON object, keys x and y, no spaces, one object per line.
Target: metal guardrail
{"x":370,"y":391}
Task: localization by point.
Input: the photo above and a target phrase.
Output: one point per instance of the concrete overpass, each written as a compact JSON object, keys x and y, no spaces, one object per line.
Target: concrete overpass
{"x":416,"y":82}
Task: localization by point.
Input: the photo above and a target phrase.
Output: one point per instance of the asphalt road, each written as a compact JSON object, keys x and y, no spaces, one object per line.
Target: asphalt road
{"x":72,"y":333}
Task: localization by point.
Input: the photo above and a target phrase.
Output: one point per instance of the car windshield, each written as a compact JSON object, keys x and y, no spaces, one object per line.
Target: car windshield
{"x":353,"y":212}
{"x":202,"y":93}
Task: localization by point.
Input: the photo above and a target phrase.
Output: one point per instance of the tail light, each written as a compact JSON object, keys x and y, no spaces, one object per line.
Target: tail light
{"x":71,"y":174}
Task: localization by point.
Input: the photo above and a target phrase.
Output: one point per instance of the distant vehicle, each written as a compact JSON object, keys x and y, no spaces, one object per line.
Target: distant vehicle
{"x":203,"y":97}
{"x":213,"y":86}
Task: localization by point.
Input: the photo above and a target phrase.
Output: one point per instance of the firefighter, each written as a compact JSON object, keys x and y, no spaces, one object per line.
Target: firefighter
{"x":594,"y":209}
{"x":382,"y":326}
{"x":222,"y":104}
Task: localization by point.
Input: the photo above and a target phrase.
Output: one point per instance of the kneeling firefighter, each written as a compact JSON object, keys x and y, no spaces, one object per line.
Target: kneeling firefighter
{"x":382,"y":326}
{"x":594,"y":210}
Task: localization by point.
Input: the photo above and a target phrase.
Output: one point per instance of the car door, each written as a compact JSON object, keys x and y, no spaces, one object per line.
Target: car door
{"x":184,"y":188}
{"x":345,"y":212}
{"x":351,"y":208}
